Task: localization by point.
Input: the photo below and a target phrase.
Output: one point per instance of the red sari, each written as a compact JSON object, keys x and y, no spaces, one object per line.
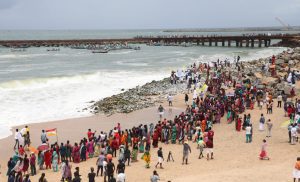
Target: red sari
{"x":47,"y":158}
{"x":76,"y":154}
{"x":239,"y":125}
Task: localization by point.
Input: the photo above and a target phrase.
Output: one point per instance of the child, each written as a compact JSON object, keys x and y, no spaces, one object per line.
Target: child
{"x":92,"y":175}
{"x":263,"y":153}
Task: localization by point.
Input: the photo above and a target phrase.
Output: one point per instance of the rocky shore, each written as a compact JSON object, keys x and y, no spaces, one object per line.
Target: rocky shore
{"x":138,"y":98}
{"x":156,"y":92}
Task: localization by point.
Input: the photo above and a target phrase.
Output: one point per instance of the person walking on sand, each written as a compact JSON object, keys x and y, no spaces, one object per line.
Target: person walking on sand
{"x":263,"y":154}
{"x":160,"y":158}
{"x":18,"y":136}
{"x":161,"y":111}
{"x":269,"y":125}
{"x":186,"y":150}
{"x":262,"y":122}
{"x":296,"y":170}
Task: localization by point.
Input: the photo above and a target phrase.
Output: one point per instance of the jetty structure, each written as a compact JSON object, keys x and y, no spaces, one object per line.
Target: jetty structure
{"x":259,"y":40}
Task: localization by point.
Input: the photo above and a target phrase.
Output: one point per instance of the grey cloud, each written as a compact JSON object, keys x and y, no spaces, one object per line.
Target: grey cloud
{"x":7,"y":4}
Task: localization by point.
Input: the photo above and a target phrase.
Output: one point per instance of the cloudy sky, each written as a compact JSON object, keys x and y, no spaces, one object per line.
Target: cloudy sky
{"x":144,"y":14}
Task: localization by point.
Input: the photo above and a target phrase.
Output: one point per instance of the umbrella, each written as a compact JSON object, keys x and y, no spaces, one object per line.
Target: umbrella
{"x":33,"y":150}
{"x":43,"y":147}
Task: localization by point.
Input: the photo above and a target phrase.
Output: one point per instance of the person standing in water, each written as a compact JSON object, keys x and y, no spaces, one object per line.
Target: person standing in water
{"x":161,"y":111}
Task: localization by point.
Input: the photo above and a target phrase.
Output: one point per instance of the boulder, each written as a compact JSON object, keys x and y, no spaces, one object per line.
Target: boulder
{"x":279,"y":61}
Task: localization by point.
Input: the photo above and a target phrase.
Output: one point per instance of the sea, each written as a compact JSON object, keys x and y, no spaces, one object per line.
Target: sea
{"x":39,"y":85}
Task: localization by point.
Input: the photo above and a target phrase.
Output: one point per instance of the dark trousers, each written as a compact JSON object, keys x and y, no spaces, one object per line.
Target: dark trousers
{"x":17,"y":143}
{"x":33,"y":170}
{"x":279,"y":104}
{"x":100,"y":167}
{"x":128,"y":160}
{"x":110,"y":176}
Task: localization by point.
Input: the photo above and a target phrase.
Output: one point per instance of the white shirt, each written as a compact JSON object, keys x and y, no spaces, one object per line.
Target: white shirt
{"x":121,"y":177}
{"x":294,"y":131}
{"x":18,"y":135}
{"x":248,"y":130}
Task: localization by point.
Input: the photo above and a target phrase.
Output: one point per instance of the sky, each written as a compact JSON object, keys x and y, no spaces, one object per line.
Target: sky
{"x":145,"y":14}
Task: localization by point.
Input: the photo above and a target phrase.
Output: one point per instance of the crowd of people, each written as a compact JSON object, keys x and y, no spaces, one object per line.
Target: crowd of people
{"x":210,"y":102}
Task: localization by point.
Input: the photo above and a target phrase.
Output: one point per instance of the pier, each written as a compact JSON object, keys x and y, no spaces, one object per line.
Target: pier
{"x":229,"y":41}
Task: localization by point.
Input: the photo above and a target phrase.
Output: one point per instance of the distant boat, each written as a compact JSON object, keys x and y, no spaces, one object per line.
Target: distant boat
{"x":54,"y":49}
{"x":17,"y":49}
{"x":100,"y":51}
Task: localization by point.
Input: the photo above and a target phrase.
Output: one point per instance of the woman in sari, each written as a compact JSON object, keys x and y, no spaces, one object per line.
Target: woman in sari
{"x":41,"y":160}
{"x":174,"y":134}
{"x":47,"y":158}
{"x":142,"y":145}
{"x":55,"y":161}
{"x":134,"y":153}
{"x":155,"y":139}
{"x":203,"y":125}
{"x":90,"y":148}
{"x":76,"y":153}
{"x":147,"y":158}
{"x":229,"y":116}
{"x":97,"y":149}
{"x":129,"y":138}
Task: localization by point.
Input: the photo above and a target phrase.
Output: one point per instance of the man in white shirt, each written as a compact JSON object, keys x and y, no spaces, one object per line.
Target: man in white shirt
{"x":279,"y":100}
{"x":170,"y":100}
{"x":18,"y":137}
{"x":121,"y":177}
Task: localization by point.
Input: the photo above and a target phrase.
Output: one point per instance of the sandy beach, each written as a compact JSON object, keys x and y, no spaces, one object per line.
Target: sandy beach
{"x":234,"y":160}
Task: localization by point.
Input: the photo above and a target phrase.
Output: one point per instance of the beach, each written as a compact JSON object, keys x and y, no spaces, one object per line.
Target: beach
{"x":234,"y":159}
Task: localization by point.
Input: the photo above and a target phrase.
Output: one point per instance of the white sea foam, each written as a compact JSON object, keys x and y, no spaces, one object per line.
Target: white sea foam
{"x":45,"y":99}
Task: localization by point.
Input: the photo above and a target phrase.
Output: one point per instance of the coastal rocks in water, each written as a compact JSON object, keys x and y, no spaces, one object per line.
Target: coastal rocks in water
{"x":138,"y":98}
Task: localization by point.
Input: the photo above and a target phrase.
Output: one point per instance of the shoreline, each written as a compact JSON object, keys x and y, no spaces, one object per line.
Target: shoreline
{"x":155,"y":96}
{"x":76,"y":128}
